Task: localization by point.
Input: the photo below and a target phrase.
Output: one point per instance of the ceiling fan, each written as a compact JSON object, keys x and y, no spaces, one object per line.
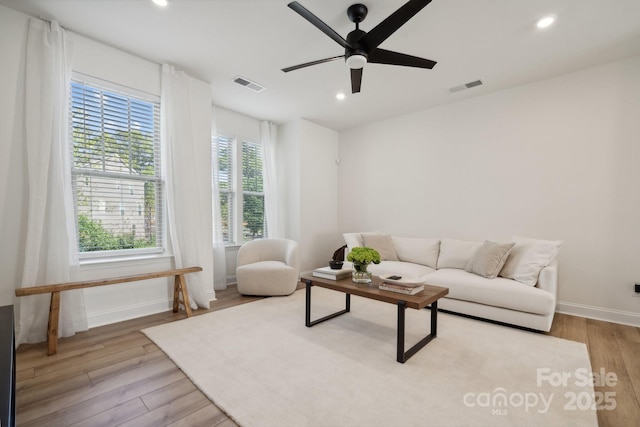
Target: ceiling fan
{"x":361,"y":47}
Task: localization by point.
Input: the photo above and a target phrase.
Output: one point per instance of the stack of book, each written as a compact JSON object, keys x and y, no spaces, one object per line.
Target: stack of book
{"x":331,"y":274}
{"x":408,"y":288}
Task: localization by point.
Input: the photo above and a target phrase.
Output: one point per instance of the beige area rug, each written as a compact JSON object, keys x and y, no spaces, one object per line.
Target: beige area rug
{"x":263,"y":367}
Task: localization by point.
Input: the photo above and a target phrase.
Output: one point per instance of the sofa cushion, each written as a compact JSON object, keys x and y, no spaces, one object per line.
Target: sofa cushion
{"x":400,"y":268}
{"x":456,"y":253}
{"x":419,"y":251}
{"x":488,"y":260}
{"x":381,"y":243}
{"x":528,"y":257}
{"x":498,"y":292}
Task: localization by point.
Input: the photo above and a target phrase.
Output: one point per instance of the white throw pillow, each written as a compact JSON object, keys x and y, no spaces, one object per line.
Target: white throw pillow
{"x":417,"y":251}
{"x":352,"y":239}
{"x":381,"y":243}
{"x":489,"y":259}
{"x":355,"y":239}
{"x":456,"y":253}
{"x":528,"y":257}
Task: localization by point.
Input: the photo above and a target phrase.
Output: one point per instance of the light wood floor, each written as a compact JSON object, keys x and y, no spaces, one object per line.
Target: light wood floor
{"x":114,"y":375}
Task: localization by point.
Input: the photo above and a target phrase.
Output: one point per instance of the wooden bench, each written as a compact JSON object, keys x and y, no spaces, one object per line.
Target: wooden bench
{"x":180,"y":287}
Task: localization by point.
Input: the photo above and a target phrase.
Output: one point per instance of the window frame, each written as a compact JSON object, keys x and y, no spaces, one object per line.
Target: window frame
{"x":88,"y":174}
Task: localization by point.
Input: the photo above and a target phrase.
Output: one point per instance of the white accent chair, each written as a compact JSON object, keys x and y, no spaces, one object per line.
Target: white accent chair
{"x":268,"y":267}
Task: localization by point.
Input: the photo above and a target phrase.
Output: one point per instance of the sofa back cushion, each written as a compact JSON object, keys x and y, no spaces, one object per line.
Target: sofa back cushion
{"x":456,"y":253}
{"x":417,"y":251}
{"x":381,"y":243}
{"x":488,"y":260}
{"x":528,"y":257}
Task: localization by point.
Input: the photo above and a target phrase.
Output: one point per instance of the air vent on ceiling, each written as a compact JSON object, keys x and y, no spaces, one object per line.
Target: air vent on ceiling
{"x":248,"y":84}
{"x":466,"y":86}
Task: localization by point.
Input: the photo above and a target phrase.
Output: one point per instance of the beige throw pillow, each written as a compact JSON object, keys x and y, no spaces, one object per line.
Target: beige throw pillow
{"x":381,"y":243}
{"x":528,"y":257}
{"x":488,"y":260}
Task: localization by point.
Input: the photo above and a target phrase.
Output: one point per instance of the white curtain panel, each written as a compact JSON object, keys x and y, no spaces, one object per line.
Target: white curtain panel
{"x":268,"y":134}
{"x":219,"y":250}
{"x":187,"y":193}
{"x":50,"y":248}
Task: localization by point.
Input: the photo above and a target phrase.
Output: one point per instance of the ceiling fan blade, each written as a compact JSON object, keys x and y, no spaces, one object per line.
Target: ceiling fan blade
{"x":317,"y":22}
{"x":382,"y":56}
{"x":308,"y":64}
{"x":356,"y":79}
{"x":394,"y":21}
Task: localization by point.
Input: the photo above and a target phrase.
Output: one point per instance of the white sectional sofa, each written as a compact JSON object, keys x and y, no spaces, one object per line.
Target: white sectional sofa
{"x":514,"y":283}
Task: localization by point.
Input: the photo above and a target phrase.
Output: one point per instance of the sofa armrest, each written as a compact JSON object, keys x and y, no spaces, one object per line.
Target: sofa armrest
{"x":548,"y":279}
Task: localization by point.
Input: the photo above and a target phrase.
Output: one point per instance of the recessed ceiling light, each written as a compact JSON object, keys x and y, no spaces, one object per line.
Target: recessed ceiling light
{"x":545,"y":22}
{"x":160,"y":2}
{"x":340,"y":96}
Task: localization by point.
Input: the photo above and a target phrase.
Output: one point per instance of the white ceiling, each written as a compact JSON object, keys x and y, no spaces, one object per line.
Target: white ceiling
{"x":492,"y":40}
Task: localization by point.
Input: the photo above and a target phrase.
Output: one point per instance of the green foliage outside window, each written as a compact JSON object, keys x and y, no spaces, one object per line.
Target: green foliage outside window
{"x":92,"y":236}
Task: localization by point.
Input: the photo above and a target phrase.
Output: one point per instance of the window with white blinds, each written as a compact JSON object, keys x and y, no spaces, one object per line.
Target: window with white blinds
{"x":239,"y":180}
{"x":253,"y":221}
{"x":116,"y":169}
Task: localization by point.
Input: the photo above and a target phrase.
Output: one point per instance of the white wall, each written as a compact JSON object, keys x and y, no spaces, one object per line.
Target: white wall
{"x":310,"y":152}
{"x":232,"y":123}
{"x":556,"y":159}
{"x":105,"y":304}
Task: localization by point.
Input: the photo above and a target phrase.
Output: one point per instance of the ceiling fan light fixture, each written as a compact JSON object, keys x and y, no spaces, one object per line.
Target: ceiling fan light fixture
{"x":162,"y":3}
{"x":355,"y":62}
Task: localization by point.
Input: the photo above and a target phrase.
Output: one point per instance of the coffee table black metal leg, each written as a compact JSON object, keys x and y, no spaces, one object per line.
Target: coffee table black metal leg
{"x":402,"y":307}
{"x":434,"y":318}
{"x":403,"y":356}
{"x":307,"y":320}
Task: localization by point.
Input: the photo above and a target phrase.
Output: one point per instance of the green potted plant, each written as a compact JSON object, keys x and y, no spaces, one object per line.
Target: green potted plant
{"x":361,"y":257}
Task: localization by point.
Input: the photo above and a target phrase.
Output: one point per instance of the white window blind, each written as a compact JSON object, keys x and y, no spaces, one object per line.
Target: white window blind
{"x":225,"y":147}
{"x":116,"y":168}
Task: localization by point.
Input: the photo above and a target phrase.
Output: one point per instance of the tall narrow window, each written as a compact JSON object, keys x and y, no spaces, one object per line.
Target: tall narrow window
{"x":239,"y":180}
{"x":116,"y":145}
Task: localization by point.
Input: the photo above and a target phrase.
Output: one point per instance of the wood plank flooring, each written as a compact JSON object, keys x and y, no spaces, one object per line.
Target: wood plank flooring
{"x":114,"y":375}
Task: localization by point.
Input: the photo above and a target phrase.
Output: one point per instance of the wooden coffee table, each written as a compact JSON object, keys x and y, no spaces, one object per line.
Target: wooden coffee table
{"x":426,"y":298}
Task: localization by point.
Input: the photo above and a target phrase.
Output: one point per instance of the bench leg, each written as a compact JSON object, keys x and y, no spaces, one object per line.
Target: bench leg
{"x":181,"y":287}
{"x":176,"y":295}
{"x":52,"y":331}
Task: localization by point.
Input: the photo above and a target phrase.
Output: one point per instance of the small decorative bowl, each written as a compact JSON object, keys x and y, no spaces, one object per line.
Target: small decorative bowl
{"x":335,"y":265}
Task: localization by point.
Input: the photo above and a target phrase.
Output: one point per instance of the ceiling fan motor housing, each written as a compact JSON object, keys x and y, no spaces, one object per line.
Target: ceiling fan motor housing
{"x":355,"y":47}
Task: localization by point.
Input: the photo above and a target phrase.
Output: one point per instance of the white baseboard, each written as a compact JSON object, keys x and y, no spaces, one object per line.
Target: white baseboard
{"x":123,"y":313}
{"x":599,"y":313}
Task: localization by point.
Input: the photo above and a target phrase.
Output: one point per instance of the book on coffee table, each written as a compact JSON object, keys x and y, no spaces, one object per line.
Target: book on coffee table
{"x":331,"y":274}
{"x":401,"y":289}
{"x":402,"y":280}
